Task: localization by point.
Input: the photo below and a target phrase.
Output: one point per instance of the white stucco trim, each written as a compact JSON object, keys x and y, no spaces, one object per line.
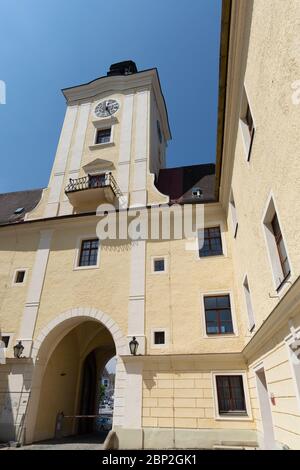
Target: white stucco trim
{"x":34,"y":291}
{"x":136,"y":305}
{"x":102,"y":125}
{"x":270,"y":209}
{"x":139,"y":189}
{"x":249,"y":305}
{"x":79,"y":241}
{"x":246,"y":137}
{"x":294,"y":358}
{"x":77,"y":148}
{"x":61,"y":158}
{"x":133,"y":394}
{"x":158,"y":330}
{"x":125,"y":145}
{"x":82,"y":313}
{"x":233,"y":315}
{"x":10,"y":340}
{"x":219,"y":417}
{"x":166,"y":264}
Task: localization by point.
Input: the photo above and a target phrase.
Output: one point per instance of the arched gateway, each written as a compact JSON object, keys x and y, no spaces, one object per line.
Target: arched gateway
{"x":68,"y":357}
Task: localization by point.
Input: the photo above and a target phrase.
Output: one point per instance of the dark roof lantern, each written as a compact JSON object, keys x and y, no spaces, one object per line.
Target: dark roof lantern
{"x":127,"y":67}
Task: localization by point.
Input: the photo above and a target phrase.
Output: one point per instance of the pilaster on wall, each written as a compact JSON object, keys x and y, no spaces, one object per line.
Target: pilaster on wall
{"x":76,"y":154}
{"x":34,"y":291}
{"x":57,"y":179}
{"x":119,"y":393}
{"x":139,"y":191}
{"x":136,"y":305}
{"x":125,"y":146}
{"x":133,"y":394}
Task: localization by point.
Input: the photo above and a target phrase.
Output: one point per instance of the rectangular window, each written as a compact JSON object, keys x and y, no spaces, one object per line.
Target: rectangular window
{"x":97,"y":181}
{"x":218,"y":317}
{"x":89,"y":252}
{"x":159,"y":337}
{"x":275,"y":244}
{"x":251,"y":321}
{"x":103,"y":136}
{"x":249,"y":120}
{"x":284,"y":262}
{"x":20,"y":276}
{"x":247,"y":125}
{"x":5,"y":339}
{"x":233,"y":214}
{"x":231,"y":396}
{"x":212,"y":244}
{"x":159,"y":265}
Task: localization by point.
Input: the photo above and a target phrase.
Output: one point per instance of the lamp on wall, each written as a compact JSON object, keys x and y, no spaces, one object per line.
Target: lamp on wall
{"x":133,"y":346}
{"x":18,"y":349}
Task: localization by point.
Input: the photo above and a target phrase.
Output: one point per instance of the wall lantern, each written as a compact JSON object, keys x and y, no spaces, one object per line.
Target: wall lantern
{"x":133,"y":346}
{"x":18,"y":349}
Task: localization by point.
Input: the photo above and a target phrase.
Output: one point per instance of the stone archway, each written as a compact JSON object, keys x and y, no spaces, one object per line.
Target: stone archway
{"x":46,"y":343}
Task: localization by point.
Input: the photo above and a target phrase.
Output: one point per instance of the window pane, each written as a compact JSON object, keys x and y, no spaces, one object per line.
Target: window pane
{"x":210,"y":302}
{"x":212,"y":242}
{"x":225,"y":315}
{"x":230,"y":393}
{"x":159,"y":337}
{"x":212,"y":328}
{"x":103,"y":136}
{"x":211,"y":315}
{"x":223,"y":301}
{"x":89,"y":253}
{"x":159,"y":265}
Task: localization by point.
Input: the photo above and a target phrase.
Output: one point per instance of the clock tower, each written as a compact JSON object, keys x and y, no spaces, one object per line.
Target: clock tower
{"x":112,"y":144}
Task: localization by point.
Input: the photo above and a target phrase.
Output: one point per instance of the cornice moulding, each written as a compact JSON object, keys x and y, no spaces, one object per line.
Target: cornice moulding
{"x":120,"y":83}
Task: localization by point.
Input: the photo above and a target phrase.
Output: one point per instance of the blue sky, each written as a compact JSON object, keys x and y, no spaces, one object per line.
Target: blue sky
{"x":51,"y":44}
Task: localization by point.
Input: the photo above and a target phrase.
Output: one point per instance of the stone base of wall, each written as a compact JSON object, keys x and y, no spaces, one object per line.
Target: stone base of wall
{"x":167,"y":438}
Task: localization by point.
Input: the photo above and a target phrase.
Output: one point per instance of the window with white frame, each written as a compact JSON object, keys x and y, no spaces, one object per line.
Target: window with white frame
{"x":103,"y":136}
{"x":276,"y":246}
{"x":233,"y":214}
{"x":218,"y":316}
{"x":19,"y":276}
{"x":88,"y":255}
{"x":159,"y":337}
{"x":211,"y":240}
{"x":250,"y":313}
{"x":159,"y":265}
{"x":5,"y":338}
{"x":247,"y":125}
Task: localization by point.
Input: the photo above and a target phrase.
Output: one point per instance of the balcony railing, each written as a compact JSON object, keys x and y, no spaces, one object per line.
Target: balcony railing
{"x":102,"y":180}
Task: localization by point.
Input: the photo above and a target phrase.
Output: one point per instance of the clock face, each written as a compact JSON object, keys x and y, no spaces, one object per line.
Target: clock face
{"x":106,"y":108}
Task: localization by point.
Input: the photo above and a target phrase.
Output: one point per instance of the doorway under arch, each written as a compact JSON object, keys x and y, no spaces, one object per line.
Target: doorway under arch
{"x":68,"y":366}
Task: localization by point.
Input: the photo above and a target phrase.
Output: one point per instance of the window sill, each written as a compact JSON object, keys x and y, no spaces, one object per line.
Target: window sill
{"x":83,"y":268}
{"x":221,"y":335}
{"x":233,"y":417}
{"x":100,"y":146}
{"x":211,"y":256}
{"x":236,"y":230}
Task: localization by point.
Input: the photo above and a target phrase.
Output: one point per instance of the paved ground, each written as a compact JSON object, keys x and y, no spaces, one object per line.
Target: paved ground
{"x":86,"y":442}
